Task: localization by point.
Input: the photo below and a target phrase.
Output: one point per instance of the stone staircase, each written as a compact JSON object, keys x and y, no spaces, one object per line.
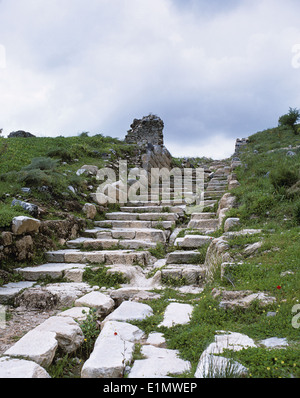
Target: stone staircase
{"x":121,"y":243}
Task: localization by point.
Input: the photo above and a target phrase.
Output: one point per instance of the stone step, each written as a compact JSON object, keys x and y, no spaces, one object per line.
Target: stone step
{"x":124,"y":216}
{"x":158,"y":363}
{"x":151,"y":202}
{"x":9,"y":291}
{"x":129,"y":257}
{"x":192,"y":241}
{"x":190,"y":274}
{"x":136,"y":224}
{"x":103,"y":244}
{"x":205,"y":224}
{"x":202,"y":216}
{"x":210,"y":202}
{"x":113,"y":348}
{"x":53,"y":270}
{"x":183,"y":257}
{"x":214,"y":194}
{"x":147,"y":234}
{"x":153,"y":209}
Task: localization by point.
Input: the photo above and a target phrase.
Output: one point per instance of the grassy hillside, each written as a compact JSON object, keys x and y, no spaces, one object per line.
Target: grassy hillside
{"x":48,"y":167}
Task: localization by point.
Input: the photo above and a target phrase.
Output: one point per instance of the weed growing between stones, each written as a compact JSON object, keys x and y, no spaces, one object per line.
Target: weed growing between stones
{"x":91,"y":330}
{"x":97,"y":275}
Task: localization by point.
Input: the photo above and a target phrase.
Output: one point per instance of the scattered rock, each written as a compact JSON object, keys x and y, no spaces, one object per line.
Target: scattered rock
{"x":253,"y":248}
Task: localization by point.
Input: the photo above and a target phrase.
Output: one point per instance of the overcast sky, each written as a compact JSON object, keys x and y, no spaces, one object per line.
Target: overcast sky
{"x":213,"y":70}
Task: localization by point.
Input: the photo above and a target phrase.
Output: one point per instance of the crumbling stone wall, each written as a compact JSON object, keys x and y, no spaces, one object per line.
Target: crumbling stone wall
{"x":21,"y":247}
{"x":147,"y":133}
{"x":148,"y":130}
{"x":240,"y":143}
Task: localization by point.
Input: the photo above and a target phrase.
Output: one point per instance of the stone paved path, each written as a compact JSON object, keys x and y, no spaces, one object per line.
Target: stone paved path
{"x":121,"y":243}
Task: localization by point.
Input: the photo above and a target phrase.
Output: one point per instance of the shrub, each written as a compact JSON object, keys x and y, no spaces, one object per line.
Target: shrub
{"x":290,"y":119}
{"x":297,"y":213}
{"x":41,"y":163}
{"x":283,"y":177}
{"x":64,"y":154}
{"x":7,"y":213}
{"x":35,"y":178}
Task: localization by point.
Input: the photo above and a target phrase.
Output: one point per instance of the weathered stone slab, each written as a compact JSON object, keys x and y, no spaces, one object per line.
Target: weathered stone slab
{"x":177,"y":314}
{"x":79,"y":314}
{"x":193,"y":241}
{"x":102,"y":303}
{"x":112,"y":351}
{"x":159,"y":362}
{"x":274,"y":342}
{"x":68,"y":333}
{"x":38,"y":346}
{"x":13,"y":368}
{"x":156,"y":339}
{"x":212,"y":365}
{"x":215,"y":367}
{"x":182,"y":257}
{"x":9,"y":291}
{"x":67,"y":293}
{"x":204,"y":224}
{"x":54,"y":270}
{"x":129,"y":311}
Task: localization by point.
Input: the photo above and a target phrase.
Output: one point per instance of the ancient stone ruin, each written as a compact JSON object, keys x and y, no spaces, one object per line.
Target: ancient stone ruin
{"x":148,"y":130}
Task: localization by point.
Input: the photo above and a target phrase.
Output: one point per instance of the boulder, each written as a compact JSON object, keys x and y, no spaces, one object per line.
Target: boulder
{"x":23,"y":224}
{"x":90,"y":210}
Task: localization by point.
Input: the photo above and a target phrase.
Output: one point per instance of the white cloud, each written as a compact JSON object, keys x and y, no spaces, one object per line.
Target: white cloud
{"x":213,"y":73}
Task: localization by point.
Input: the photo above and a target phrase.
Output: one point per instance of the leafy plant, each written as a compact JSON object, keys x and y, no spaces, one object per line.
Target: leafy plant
{"x":290,"y":119}
{"x":91,"y":331}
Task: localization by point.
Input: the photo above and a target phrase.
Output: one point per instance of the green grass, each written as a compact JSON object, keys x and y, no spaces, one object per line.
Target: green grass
{"x":48,"y":167}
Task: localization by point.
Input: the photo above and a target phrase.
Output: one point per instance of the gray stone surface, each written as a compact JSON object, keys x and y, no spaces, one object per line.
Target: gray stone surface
{"x":13,"y":368}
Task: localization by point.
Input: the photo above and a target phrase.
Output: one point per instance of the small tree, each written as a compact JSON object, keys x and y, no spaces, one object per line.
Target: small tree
{"x":290,"y":119}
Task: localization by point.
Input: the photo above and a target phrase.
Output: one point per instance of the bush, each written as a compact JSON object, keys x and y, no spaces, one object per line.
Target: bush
{"x":35,"y":178}
{"x":297,"y":213}
{"x":290,"y":119}
{"x":7,"y":213}
{"x":41,"y":163}
{"x":283,"y":177}
{"x":64,"y":154}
